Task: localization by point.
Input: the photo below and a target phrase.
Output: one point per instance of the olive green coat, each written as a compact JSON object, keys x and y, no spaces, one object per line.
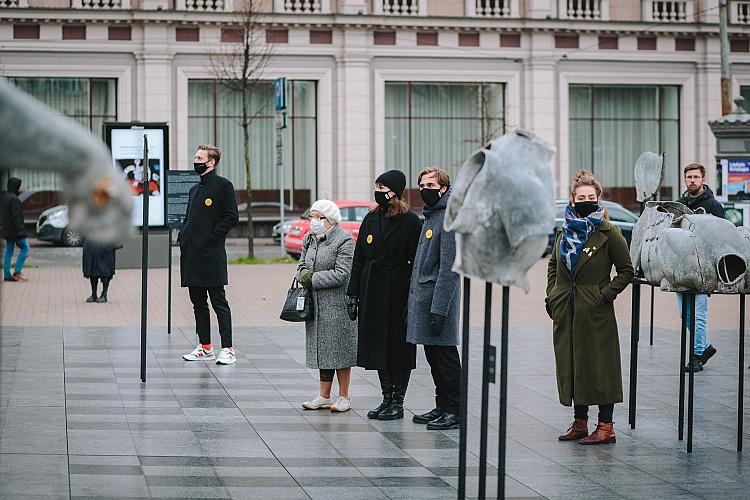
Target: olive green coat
{"x":587,"y":346}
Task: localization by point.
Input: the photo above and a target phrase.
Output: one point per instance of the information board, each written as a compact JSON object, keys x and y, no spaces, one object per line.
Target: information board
{"x":736,"y":179}
{"x":179,"y":183}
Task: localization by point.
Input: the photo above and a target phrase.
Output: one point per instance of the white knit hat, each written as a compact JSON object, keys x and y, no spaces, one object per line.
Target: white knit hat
{"x":329,"y":210}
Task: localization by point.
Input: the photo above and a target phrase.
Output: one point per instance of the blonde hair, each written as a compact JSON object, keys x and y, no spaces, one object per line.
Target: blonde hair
{"x":212,"y":152}
{"x":584,"y":178}
{"x":443,"y":178}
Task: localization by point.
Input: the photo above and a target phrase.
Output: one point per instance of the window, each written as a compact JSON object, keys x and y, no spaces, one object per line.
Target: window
{"x":610,"y":126}
{"x":214,"y":116}
{"x":88,"y":101}
{"x":439,"y":124}
{"x":354,"y":214}
{"x":745,"y":92}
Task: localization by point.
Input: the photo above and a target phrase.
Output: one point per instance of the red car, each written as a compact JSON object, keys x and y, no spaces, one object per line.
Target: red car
{"x":352,"y":213}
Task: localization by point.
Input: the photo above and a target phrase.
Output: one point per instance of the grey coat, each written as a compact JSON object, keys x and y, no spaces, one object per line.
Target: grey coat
{"x":434,"y":286}
{"x":331,"y":340}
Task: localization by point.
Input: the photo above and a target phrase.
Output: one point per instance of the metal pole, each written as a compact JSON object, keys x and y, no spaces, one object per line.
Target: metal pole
{"x":683,"y":341}
{"x":726,"y":77}
{"x":280,"y":168}
{"x":741,"y":383}
{"x":144,"y":258}
{"x":169,"y":283}
{"x":651,"y":329}
{"x":634,"y":334}
{"x":485,"y":392}
{"x":691,"y":374}
{"x":503,"y":419}
{"x":462,"y":434}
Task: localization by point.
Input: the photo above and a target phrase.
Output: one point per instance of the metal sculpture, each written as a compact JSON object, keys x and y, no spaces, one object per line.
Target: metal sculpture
{"x":649,"y":174}
{"x":36,"y":137}
{"x":502,"y":209}
{"x":679,"y":250}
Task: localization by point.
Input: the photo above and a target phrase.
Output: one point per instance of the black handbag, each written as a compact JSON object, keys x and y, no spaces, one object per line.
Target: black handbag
{"x":298,"y":304}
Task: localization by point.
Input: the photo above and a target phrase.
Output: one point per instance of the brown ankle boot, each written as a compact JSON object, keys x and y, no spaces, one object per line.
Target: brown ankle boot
{"x":604,"y":433}
{"x":577,"y":430}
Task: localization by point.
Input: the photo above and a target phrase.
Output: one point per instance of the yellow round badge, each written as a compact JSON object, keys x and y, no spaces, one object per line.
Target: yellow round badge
{"x":208,"y":202}
{"x":369,"y":239}
{"x":428,"y":234}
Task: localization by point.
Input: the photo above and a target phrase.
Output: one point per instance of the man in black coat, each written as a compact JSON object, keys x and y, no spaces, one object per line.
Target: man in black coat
{"x":211,"y":213}
{"x":699,"y":195}
{"x":14,"y":231}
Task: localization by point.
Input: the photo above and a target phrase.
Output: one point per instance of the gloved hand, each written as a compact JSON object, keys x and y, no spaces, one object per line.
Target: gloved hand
{"x":305,"y":278}
{"x":351,"y":306}
{"x":436,"y":324}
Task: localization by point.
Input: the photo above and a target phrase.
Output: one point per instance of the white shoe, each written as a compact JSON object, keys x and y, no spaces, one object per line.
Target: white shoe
{"x":226,"y":357}
{"x":317,"y":403}
{"x":199,"y":354}
{"x":342,"y":404}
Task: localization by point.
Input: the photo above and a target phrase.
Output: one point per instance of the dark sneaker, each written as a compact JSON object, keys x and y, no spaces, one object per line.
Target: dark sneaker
{"x":11,"y":278}
{"x":91,"y":298}
{"x":710,"y":351}
{"x":102,"y":299}
{"x":426,"y":418}
{"x":694,"y":365}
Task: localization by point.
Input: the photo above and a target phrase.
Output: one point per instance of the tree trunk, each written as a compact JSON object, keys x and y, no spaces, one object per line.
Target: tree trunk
{"x":248,"y":178}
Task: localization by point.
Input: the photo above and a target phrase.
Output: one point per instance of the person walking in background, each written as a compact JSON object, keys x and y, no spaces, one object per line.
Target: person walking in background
{"x":98,"y":264}
{"x":211,"y":213}
{"x":379,"y":289}
{"x":699,"y":195}
{"x":580,"y":300}
{"x":331,"y":336}
{"x":434,"y":297}
{"x":14,"y":231}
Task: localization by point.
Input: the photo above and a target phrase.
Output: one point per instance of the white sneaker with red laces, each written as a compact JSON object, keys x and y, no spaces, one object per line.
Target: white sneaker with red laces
{"x":200,"y":354}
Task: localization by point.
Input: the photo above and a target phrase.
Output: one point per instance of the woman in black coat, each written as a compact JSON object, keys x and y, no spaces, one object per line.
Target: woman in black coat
{"x":98,"y":264}
{"x":379,"y":289}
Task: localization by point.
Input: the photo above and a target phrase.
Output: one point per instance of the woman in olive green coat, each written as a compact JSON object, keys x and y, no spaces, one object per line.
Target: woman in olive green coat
{"x":579,"y":300}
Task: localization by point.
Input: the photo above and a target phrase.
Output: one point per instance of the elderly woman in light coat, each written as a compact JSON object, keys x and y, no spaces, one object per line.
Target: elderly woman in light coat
{"x":331,"y":341}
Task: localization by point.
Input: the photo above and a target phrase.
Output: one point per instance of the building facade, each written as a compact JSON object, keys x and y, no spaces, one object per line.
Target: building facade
{"x":381,"y":84}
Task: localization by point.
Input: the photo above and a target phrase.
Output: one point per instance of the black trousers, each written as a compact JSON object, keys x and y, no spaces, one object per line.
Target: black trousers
{"x":198,"y":296}
{"x":605,"y":412}
{"x":445,"y":366}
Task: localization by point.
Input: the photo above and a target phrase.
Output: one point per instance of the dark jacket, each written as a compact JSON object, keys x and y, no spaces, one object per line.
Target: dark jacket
{"x":11,"y":215}
{"x":587,"y":347}
{"x":211,"y":213}
{"x":98,"y":260}
{"x":704,"y":200}
{"x":383,"y":260}
{"x":435,"y":288}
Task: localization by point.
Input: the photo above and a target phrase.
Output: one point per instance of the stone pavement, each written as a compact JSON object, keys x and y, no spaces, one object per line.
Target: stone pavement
{"x":77,"y":422}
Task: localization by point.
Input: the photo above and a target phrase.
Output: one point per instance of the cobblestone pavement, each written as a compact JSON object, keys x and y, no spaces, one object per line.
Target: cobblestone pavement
{"x":77,"y":421}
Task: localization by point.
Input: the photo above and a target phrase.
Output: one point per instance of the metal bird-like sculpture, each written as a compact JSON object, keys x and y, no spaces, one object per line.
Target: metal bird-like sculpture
{"x":34,"y":136}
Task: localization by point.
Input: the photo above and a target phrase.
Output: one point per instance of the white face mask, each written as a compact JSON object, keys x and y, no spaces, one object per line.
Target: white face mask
{"x":317,"y":226}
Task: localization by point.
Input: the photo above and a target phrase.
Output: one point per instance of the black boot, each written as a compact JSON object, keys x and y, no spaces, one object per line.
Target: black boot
{"x":386,"y":386}
{"x":395,"y":410}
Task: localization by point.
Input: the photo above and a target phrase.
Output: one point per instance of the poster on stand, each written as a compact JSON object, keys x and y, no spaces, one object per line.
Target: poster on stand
{"x":125,"y":141}
{"x":736,"y":179}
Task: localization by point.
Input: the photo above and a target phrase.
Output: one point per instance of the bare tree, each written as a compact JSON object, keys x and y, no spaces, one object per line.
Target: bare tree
{"x":239,"y":66}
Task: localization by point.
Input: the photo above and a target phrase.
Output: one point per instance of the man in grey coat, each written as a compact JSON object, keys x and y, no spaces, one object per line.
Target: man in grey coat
{"x":434,"y":297}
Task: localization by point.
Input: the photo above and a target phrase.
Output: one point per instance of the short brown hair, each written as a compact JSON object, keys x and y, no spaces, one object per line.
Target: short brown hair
{"x":584,"y":178}
{"x":443,"y":178}
{"x":214,"y":153}
{"x":694,"y":166}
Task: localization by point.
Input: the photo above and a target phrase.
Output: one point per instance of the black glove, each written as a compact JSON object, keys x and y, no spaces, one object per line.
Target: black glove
{"x":436,"y":324}
{"x":351,"y":306}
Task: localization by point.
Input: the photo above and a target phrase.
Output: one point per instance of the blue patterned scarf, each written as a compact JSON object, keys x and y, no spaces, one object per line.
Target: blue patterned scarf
{"x":575,"y":234}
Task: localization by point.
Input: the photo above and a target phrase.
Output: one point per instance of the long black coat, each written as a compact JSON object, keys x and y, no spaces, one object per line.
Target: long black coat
{"x":383,"y":260}
{"x":98,"y":260}
{"x":211,"y":213}
{"x":11,"y":215}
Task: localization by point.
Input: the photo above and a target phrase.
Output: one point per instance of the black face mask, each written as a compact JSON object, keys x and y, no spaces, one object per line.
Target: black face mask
{"x":430,"y":196}
{"x":586,"y":208}
{"x":200,"y":168}
{"x":382,"y":199}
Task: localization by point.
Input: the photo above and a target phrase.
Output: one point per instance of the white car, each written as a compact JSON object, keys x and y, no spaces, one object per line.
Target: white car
{"x":53,"y":226}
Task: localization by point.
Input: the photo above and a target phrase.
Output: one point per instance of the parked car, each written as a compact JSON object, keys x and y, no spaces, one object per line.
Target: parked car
{"x":53,"y":226}
{"x":277,"y":230}
{"x":352,"y":213}
{"x":618,"y":215}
